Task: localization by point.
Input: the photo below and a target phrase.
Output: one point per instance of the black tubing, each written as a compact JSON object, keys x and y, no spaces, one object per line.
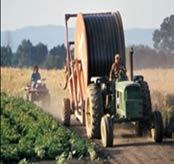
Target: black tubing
{"x":105,"y":38}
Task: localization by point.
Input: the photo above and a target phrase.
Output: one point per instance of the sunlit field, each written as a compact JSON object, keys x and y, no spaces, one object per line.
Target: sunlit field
{"x":161,"y":80}
{"x":161,"y":84}
{"x":13,"y":81}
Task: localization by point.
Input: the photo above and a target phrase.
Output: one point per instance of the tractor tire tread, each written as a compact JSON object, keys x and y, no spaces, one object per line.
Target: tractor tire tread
{"x":97,"y":110}
{"x":158,"y":125}
{"x":108,"y":141}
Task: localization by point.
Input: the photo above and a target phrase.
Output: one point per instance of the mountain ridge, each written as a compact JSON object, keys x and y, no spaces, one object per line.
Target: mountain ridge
{"x":52,"y":35}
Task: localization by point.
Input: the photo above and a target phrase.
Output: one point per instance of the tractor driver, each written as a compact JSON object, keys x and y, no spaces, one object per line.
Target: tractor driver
{"x":117,"y":66}
{"x":35,"y":76}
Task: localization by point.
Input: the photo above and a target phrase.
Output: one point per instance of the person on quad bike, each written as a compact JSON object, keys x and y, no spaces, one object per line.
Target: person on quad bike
{"x":117,"y":69}
{"x":35,"y":76}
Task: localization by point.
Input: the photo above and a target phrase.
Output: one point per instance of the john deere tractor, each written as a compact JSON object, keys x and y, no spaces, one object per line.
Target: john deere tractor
{"x":96,"y":101}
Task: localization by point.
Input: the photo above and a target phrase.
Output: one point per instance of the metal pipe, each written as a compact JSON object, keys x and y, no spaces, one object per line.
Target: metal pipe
{"x":67,"y":40}
{"x":131,"y":63}
{"x":67,"y":16}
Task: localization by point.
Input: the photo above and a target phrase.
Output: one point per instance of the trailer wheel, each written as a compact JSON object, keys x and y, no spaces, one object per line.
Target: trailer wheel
{"x":66,"y":113}
{"x":94,"y":111}
{"x":106,"y":131}
{"x":157,"y":127}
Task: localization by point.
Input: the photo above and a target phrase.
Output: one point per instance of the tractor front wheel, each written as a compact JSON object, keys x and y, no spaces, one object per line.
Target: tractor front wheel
{"x":157,"y":127}
{"x":66,"y":112}
{"x":94,"y":111}
{"x":106,"y":131}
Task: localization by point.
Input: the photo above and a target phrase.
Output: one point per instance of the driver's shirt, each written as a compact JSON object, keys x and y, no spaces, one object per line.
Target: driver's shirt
{"x":35,"y":77}
{"x":116,"y":67}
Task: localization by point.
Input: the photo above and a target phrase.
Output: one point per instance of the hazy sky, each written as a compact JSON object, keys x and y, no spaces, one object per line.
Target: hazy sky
{"x":135,"y":13}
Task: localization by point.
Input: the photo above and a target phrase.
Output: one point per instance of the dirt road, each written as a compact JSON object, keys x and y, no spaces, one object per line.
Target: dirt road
{"x":127,"y":147}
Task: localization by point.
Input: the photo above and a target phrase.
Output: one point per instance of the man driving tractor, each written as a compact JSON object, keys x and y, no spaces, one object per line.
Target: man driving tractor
{"x":117,"y":68}
{"x":35,"y":76}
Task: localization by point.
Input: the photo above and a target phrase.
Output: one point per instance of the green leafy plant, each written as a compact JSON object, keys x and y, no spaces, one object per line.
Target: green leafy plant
{"x":27,"y":133}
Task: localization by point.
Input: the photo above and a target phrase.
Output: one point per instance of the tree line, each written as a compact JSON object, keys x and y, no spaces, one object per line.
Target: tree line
{"x":147,"y":57}
{"x":162,"y":55}
{"x":28,"y":55}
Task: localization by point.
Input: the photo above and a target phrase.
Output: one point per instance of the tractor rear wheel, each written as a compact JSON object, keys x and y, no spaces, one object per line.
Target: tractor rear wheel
{"x":157,"y":127}
{"x":147,"y":105}
{"x":106,"y":131}
{"x":66,"y":112}
{"x":94,"y":111}
{"x":168,"y":133}
{"x":168,"y":116}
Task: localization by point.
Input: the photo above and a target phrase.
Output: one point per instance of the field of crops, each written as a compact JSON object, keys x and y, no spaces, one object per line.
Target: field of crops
{"x":29,"y":134}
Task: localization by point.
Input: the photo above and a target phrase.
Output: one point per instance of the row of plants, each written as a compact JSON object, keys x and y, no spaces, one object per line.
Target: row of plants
{"x":29,"y":134}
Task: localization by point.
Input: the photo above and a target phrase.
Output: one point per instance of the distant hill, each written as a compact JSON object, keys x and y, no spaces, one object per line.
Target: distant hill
{"x":52,"y":35}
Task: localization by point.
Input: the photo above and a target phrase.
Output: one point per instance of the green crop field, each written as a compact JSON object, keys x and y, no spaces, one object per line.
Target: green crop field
{"x":29,"y":134}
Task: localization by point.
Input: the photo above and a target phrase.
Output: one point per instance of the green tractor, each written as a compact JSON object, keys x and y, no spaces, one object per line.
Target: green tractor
{"x":96,"y":101}
{"x":121,"y":101}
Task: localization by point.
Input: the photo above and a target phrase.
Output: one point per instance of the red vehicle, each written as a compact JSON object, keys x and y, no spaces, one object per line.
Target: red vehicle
{"x":38,"y":93}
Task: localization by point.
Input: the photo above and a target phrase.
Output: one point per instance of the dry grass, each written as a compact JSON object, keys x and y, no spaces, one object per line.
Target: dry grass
{"x":161,"y":84}
{"x":13,"y":80}
{"x":161,"y":80}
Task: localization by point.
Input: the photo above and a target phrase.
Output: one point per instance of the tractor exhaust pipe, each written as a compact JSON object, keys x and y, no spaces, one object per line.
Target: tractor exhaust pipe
{"x":131,"y":63}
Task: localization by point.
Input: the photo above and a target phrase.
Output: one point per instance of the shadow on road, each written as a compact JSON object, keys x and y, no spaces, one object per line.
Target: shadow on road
{"x":148,"y":143}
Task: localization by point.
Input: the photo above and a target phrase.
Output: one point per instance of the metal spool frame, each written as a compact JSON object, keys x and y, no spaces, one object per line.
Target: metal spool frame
{"x":98,"y":37}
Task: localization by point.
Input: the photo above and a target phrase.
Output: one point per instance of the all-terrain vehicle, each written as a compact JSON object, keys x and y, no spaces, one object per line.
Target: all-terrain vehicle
{"x":38,"y":93}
